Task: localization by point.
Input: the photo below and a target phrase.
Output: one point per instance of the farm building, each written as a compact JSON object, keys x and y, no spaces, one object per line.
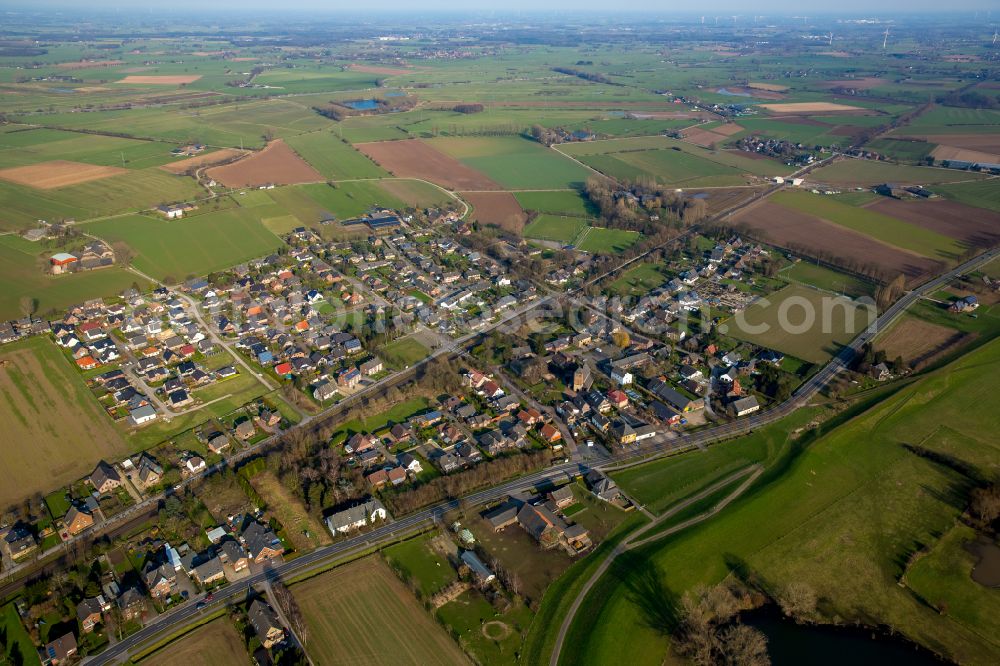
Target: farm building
{"x":62,"y":262}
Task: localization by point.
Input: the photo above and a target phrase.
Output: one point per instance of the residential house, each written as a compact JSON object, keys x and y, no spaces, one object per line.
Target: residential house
{"x":261,"y":542}
{"x":20,"y":541}
{"x":160,"y":579}
{"x":59,"y":651}
{"x":77,"y":520}
{"x":601,"y":485}
{"x":744,"y":406}
{"x":90,"y":612}
{"x":265,"y":624}
{"x":209,"y":571}
{"x":356,"y":517}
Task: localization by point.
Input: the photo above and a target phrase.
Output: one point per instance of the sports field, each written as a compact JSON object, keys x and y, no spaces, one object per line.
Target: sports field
{"x":818,"y":323}
{"x":213,"y":644}
{"x":55,"y":430}
{"x":841,"y":515}
{"x":598,"y":240}
{"x":174,"y":250}
{"x":361,"y":613}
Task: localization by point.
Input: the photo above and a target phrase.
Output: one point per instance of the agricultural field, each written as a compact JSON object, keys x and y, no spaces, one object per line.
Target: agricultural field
{"x":866,"y":173}
{"x":514,"y":162}
{"x":23,"y":273}
{"x":565,"y":202}
{"x":830,"y":280}
{"x":598,"y":240}
{"x":210,"y":645}
{"x":952,"y":120}
{"x":416,"y":159}
{"x":333,"y":157}
{"x":971,"y":227}
{"x":919,"y":342}
{"x":276,"y":164}
{"x":980,"y":194}
{"x":33,"y":146}
{"x":816,"y":324}
{"x":198,"y":244}
{"x":56,"y":429}
{"x":842,"y":515}
{"x":499,"y":209}
{"x":342,"y":606}
{"x":868,"y":220}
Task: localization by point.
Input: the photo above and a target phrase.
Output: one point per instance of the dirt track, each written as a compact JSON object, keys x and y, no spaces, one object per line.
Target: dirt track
{"x":277,"y":164}
{"x":58,"y":173}
{"x":412,"y":158}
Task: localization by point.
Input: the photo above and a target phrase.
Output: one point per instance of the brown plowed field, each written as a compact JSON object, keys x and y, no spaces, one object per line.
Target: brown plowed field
{"x":375,"y":69}
{"x":805,"y":233}
{"x":773,"y":87}
{"x":975,"y":226}
{"x":58,"y":173}
{"x":920,"y":342}
{"x":277,"y":164}
{"x":987,"y":143}
{"x":87,"y":64}
{"x":213,"y":157}
{"x":171,"y":80}
{"x":813,"y":107}
{"x":864,"y":83}
{"x":709,"y":137}
{"x":497,"y":208}
{"x":963,"y":154}
{"x":412,"y":158}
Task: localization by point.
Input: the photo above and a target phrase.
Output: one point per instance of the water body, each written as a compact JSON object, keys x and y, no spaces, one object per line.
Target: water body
{"x":791,"y":644}
{"x":732,"y":93}
{"x":395,"y":93}
{"x":361,"y":104}
{"x":987,"y":569}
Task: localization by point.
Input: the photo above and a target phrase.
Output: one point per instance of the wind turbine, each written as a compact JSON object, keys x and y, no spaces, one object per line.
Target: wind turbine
{"x":831,"y":39}
{"x":885,"y":38}
{"x":994,"y":37}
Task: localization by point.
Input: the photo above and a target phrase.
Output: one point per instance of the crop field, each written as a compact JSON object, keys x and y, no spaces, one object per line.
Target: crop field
{"x":564,"y":202}
{"x":843,"y":516}
{"x":805,"y":323}
{"x":801,"y":232}
{"x":23,"y":275}
{"x":416,"y":159}
{"x":868,"y":172}
{"x":828,"y":279}
{"x":210,"y":645}
{"x":333,"y":157}
{"x":32,"y":146}
{"x":598,"y":240}
{"x":500,"y":209}
{"x":980,"y":194}
{"x":870,"y":221}
{"x":912,"y":150}
{"x":558,"y":228}
{"x":57,"y":173}
{"x":514,"y":162}
{"x":810,"y":108}
{"x":919,"y":342}
{"x":973,"y":227}
{"x":165,"y":80}
{"x":303,"y":529}
{"x":195,"y":245}
{"x":277,"y":164}
{"x":300,"y":80}
{"x":342,"y":606}
{"x":207,"y":159}
{"x":56,"y":431}
{"x":414,"y":193}
{"x":953,"y":120}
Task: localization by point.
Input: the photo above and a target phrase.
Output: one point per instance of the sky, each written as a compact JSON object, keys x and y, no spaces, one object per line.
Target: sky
{"x":799,"y":7}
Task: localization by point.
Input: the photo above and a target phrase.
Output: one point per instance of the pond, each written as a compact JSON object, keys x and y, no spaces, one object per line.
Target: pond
{"x":789,"y":643}
{"x":987,"y":554}
{"x":361,"y":104}
{"x":732,"y":93}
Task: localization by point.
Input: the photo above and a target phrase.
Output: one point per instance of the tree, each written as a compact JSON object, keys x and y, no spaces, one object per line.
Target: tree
{"x":28,"y":305}
{"x":985,"y":504}
{"x":797,"y":600}
{"x":741,"y":645}
{"x":621,"y":339}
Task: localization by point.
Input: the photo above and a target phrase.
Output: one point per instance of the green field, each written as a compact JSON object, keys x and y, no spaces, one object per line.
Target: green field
{"x":818,"y":324}
{"x":333,"y":157}
{"x":984,"y":194}
{"x":828,"y":279}
{"x":420,"y":565}
{"x":23,"y":273}
{"x":342,"y":606}
{"x":639,"y":280}
{"x":515,"y":162}
{"x":599,"y":240}
{"x":42,"y":145}
{"x":841,"y":514}
{"x":953,"y":120}
{"x":132,"y":191}
{"x":175,"y":250}
{"x":887,"y":229}
{"x":557,"y":202}
{"x":404,"y":352}
{"x":869,"y":172}
{"x":913,"y":151}
{"x":555,"y":228}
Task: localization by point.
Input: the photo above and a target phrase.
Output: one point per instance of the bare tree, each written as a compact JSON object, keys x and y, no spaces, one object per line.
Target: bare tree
{"x":797,"y":600}
{"x":741,"y":645}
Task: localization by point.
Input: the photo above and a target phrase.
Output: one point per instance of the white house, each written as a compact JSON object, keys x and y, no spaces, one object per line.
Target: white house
{"x":356,"y":517}
{"x":622,"y":377}
{"x":141,"y":415}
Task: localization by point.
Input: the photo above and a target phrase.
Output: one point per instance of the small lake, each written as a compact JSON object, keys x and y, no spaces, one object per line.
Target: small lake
{"x":987,"y":554}
{"x":732,"y":93}
{"x":361,"y":104}
{"x":791,"y":644}
{"x":395,"y":93}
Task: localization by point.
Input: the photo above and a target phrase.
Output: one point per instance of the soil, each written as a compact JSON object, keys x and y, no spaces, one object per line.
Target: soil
{"x":277,"y":163}
{"x":58,"y":173}
{"x":412,"y":158}
{"x":213,"y":157}
{"x":500,"y":209}
{"x":920,"y":342}
{"x":813,"y":107}
{"x":976,"y":227}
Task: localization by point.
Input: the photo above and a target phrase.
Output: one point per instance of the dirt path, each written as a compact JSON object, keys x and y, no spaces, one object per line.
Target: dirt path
{"x":630,"y":542}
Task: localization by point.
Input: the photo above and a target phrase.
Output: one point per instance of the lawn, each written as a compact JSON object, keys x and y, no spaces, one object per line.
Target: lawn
{"x":842,"y":514}
{"x":419,"y":564}
{"x":599,"y":240}
{"x":333,"y":157}
{"x":404,"y":352}
{"x":22,"y":274}
{"x":341,"y":608}
{"x":515,"y":162}
{"x":56,"y":429}
{"x":397,"y":414}
{"x":209,"y":645}
{"x":639,"y":280}
{"x":806,"y":323}
{"x":558,"y":228}
{"x":887,"y":229}
{"x":563,"y":202}
{"x":175,"y":250}
{"x":466,"y":618}
{"x":16,"y":647}
{"x":303,"y":529}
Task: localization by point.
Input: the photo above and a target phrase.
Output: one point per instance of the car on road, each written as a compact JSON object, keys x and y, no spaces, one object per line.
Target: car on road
{"x":209,"y":597}
{"x":200,"y":604}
